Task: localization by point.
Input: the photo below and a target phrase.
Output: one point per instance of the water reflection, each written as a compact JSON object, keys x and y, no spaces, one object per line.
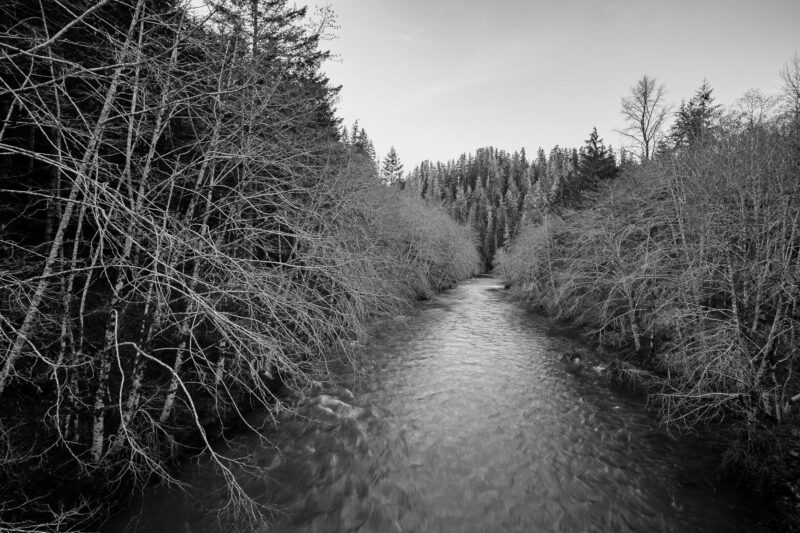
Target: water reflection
{"x":462,"y":420}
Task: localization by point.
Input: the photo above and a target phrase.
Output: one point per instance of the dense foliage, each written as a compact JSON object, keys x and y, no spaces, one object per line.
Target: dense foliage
{"x":181,"y":230}
{"x":495,"y":192}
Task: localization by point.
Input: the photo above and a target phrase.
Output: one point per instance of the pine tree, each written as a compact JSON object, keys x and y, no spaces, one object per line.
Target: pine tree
{"x":361,"y":141}
{"x":460,"y":206}
{"x":530,"y":205}
{"x":501,"y":230}
{"x":369,"y":151}
{"x":392,"y":168}
{"x":489,"y":239}
{"x":434,"y":192}
{"x":539,"y":167}
{"x":595,"y":161}
{"x":695,"y":121}
{"x":362,"y":144}
{"x":512,"y":209}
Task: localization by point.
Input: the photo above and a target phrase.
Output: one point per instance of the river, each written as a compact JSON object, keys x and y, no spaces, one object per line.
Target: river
{"x":462,"y":418}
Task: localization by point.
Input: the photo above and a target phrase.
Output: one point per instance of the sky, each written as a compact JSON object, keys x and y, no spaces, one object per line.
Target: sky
{"x":436,"y":79}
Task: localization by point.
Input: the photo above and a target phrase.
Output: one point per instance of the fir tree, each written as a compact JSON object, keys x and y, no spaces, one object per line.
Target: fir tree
{"x":392,"y":168}
{"x":595,"y":161}
{"x":362,"y":144}
{"x":695,"y":121}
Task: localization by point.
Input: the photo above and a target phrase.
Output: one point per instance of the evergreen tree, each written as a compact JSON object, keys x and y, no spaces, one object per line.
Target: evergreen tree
{"x":362,"y":145}
{"x":695,"y":121}
{"x":489,"y":239}
{"x":392,"y":168}
{"x":526,"y":183}
{"x":495,"y":192}
{"x":540,"y":166}
{"x":512,"y":206}
{"x":501,"y":230}
{"x":460,"y":209}
{"x":434,"y":192}
{"x":595,"y":161}
{"x":494,"y":180}
{"x":369,"y":151}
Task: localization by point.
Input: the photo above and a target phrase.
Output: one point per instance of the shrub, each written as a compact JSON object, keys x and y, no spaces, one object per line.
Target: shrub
{"x":181,"y":231}
{"x":691,"y":261}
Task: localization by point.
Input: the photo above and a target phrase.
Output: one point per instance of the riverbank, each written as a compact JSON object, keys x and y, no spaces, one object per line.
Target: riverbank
{"x":747,"y":460}
{"x":405,"y":442}
{"x":184,"y":224}
{"x":407,"y":252}
{"x":687,"y":265}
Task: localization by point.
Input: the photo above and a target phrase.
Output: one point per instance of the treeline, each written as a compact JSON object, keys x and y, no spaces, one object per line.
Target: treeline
{"x":688,"y":263}
{"x":497,"y":193}
{"x":182,"y":230}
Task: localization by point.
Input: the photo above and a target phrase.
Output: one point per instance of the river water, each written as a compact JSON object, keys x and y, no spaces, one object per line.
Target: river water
{"x":464,"y":419}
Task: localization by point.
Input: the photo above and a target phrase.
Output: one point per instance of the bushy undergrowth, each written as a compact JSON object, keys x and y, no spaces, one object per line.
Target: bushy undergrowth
{"x":180,"y":232}
{"x":403,"y":246}
{"x":691,"y":264}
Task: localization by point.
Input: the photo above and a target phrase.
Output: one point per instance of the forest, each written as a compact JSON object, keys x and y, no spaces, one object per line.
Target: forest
{"x":184,"y":230}
{"x":187,"y":229}
{"x":680,"y":257}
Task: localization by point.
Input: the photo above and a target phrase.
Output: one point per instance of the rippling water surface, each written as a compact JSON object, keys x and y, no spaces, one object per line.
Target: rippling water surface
{"x":464,"y":420}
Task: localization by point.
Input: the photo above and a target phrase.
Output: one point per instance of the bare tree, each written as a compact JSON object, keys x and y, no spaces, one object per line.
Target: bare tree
{"x":179,"y":230}
{"x":755,"y":108}
{"x":644,"y":111}
{"x":791,"y":88}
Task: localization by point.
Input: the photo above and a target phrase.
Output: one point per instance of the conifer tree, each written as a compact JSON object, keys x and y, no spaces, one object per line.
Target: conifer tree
{"x":501,"y":229}
{"x":540,"y":166}
{"x":512,"y":209}
{"x":434,"y":192}
{"x":460,"y":206}
{"x":489,"y":239}
{"x":595,"y":161}
{"x":495,"y":192}
{"x":695,"y":121}
{"x":362,"y":145}
{"x":392,"y":168}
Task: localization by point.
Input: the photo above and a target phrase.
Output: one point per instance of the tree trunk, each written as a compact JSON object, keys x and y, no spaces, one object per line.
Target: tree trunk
{"x":89,"y":154}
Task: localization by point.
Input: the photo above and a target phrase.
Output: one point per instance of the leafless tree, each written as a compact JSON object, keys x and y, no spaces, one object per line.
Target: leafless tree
{"x":644,"y":111}
{"x":791,"y":88}
{"x":202,"y":234}
{"x":755,"y":108}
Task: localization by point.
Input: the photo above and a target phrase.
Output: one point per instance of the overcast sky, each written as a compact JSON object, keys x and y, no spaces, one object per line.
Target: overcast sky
{"x":439,"y":78}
